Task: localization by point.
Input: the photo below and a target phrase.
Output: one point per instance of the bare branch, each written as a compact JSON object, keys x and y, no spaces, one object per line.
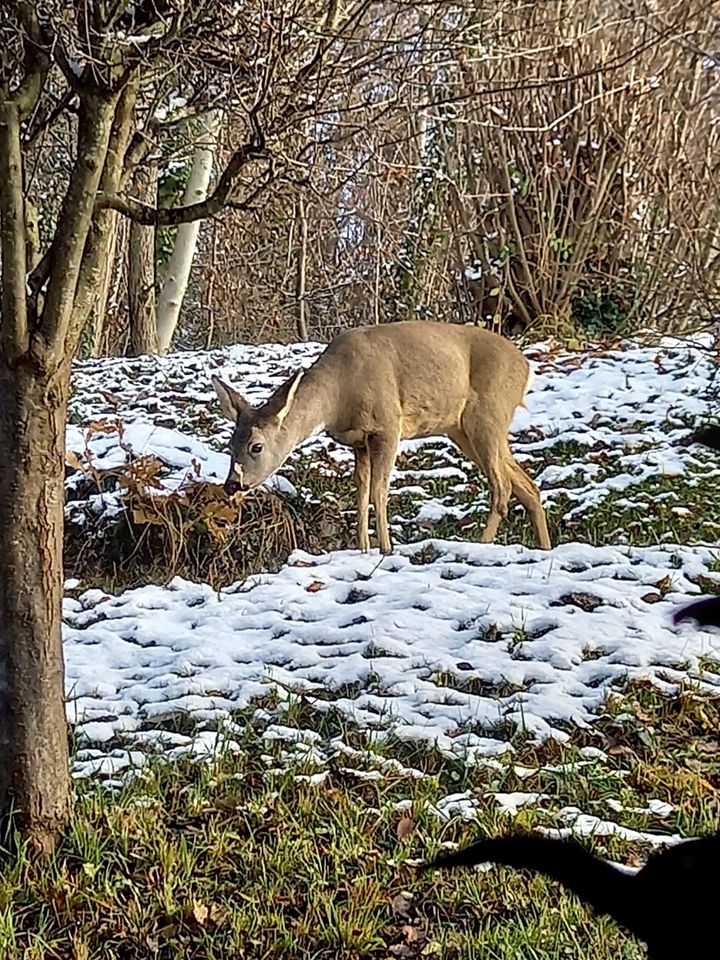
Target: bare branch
{"x":96,"y":246}
{"x":94,"y":128}
{"x":13,"y":319}
{"x":37,"y":61}
{"x":172,"y":216}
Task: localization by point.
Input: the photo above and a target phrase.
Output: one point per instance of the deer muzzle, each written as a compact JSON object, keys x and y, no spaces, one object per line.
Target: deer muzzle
{"x":232,"y":486}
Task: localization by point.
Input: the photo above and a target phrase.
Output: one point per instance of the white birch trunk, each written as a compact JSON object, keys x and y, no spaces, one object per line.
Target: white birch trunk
{"x":178,"y":274}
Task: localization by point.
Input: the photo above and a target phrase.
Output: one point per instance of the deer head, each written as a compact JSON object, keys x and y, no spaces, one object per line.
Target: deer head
{"x":261,"y":441}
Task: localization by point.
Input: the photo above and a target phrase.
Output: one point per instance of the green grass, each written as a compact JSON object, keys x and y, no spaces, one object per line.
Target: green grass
{"x":242,"y":858}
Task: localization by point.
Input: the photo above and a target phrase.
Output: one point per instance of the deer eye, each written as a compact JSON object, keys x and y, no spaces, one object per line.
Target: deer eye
{"x":256,"y":449}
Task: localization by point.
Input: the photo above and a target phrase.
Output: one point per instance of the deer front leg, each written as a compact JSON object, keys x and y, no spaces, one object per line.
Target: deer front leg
{"x":362,"y":489}
{"x":382,"y":450}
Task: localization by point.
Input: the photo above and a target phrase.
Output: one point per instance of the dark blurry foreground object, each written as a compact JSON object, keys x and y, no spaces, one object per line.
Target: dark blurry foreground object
{"x":706,"y":612}
{"x":669,"y":903}
{"x":708,"y":436}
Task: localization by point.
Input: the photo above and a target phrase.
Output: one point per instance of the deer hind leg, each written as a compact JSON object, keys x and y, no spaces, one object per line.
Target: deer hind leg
{"x":478,"y":443}
{"x":529,"y":496}
{"x":362,"y":486}
{"x":382,"y":451}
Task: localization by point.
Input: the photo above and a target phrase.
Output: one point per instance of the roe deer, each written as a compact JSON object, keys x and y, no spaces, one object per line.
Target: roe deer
{"x":374,"y":386}
{"x":670,"y":903}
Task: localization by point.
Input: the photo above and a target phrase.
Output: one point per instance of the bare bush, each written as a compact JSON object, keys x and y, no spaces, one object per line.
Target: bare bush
{"x":514,"y":164}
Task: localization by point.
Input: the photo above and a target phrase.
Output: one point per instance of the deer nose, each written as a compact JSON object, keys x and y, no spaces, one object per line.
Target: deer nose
{"x":233,"y":486}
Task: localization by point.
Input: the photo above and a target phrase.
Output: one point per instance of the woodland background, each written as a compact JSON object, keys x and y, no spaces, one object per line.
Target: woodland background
{"x":550,"y":165}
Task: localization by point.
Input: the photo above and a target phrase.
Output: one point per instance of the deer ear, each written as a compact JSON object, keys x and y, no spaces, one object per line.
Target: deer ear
{"x":279,"y":404}
{"x":231,"y":403}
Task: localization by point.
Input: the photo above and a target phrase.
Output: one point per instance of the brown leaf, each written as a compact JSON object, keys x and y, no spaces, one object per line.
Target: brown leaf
{"x":413,"y":934}
{"x":403,"y":951}
{"x":203,"y":914}
{"x":315,"y":586}
{"x":200,"y":912}
{"x":73,"y":460}
{"x":405,"y":827}
{"x":142,"y":515}
{"x":101,"y":426}
{"x":402,"y":903}
{"x":642,"y":715}
{"x":220,"y":510}
{"x":652,"y":598}
{"x":664,"y":584}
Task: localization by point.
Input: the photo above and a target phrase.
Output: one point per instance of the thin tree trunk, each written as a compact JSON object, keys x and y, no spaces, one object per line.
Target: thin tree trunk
{"x":301,"y":273}
{"x":178,"y":273}
{"x":33,"y":727}
{"x":99,"y":313}
{"x":141,"y":270}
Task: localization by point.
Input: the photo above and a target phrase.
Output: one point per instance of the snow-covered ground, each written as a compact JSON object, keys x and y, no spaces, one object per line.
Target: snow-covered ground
{"x":454,"y":643}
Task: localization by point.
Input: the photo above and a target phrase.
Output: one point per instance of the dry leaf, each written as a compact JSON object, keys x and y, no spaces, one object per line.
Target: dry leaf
{"x":403,"y":951}
{"x":405,"y":827}
{"x":315,"y":586}
{"x":142,"y":515}
{"x":73,"y":460}
{"x":101,"y":426}
{"x":652,"y":598}
{"x":664,"y":584}
{"x":402,"y":903}
{"x":203,"y":914}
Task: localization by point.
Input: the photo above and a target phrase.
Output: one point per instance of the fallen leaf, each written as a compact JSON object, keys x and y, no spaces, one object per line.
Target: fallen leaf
{"x":73,"y":460}
{"x":200,"y":912}
{"x":412,"y":934}
{"x":402,"y":903}
{"x":652,"y":598}
{"x":405,"y":827}
{"x":315,"y":586}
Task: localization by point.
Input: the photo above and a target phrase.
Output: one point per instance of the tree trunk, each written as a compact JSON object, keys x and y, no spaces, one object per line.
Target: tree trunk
{"x":141,"y":270}
{"x":301,"y":273}
{"x":109,"y":270}
{"x":178,"y":272}
{"x":34,"y":779}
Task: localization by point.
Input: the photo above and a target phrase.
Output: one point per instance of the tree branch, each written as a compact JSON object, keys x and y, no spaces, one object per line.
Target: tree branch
{"x":13,"y":317}
{"x":96,"y":246}
{"x":212,"y":205}
{"x":74,"y":224}
{"x":37,"y":61}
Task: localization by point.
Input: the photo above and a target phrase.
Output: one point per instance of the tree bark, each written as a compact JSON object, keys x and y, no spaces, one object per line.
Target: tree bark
{"x":99,"y":310}
{"x":178,"y":272}
{"x":34,"y":387}
{"x":301,"y":273}
{"x":141,"y":270}
{"x":34,"y":781}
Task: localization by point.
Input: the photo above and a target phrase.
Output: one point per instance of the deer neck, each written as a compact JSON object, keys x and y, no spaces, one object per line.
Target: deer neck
{"x":311,"y":409}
